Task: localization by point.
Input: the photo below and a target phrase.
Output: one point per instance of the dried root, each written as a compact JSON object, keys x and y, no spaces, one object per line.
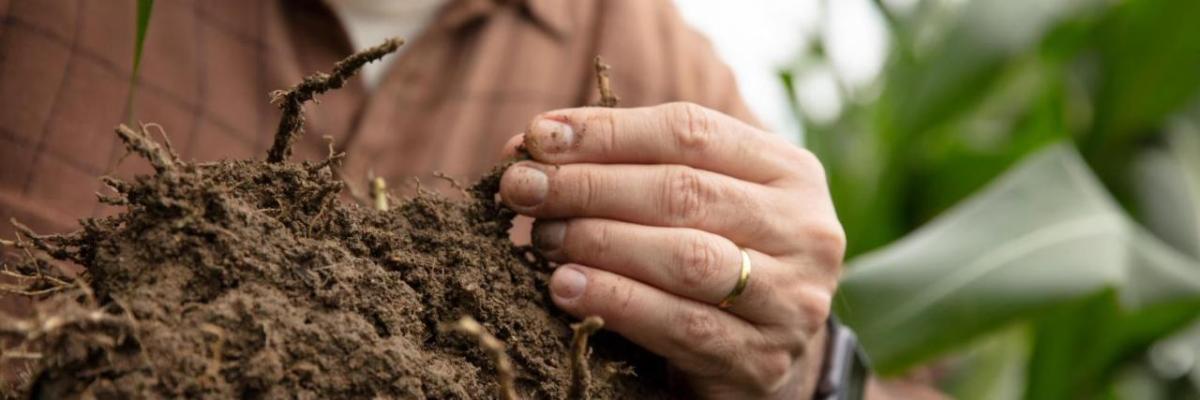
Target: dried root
{"x":379,"y":195}
{"x":40,"y":326}
{"x":495,"y":349}
{"x":44,"y":242}
{"x":162,"y":158}
{"x":121,"y":188}
{"x":34,"y":277}
{"x":607,"y":97}
{"x":166,"y":140}
{"x":64,"y":329}
{"x":454,"y":183}
{"x":581,"y":375}
{"x":332,"y":160}
{"x":70,"y":315}
{"x":34,"y":285}
{"x":291,"y":101}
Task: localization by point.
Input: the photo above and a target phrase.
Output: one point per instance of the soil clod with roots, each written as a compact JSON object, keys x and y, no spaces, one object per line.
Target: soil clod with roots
{"x":252,"y":279}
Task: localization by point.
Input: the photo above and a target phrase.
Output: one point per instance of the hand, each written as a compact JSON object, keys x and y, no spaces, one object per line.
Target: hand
{"x":646,"y":210}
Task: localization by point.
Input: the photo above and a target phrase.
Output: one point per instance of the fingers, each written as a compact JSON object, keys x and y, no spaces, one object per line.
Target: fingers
{"x":511,"y":146}
{"x":658,"y":195}
{"x":685,"y":262}
{"x":644,"y":314}
{"x":675,"y":133}
{"x":694,"y":336}
{"x":699,"y":339}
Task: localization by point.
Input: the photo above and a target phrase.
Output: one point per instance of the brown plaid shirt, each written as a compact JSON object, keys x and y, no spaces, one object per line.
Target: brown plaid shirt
{"x":474,"y":78}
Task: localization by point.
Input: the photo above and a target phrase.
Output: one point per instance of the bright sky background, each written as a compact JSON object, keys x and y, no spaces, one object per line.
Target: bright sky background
{"x":762,"y":37}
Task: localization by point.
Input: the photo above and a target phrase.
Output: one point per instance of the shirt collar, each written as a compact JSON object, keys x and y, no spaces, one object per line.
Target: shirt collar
{"x":554,"y":15}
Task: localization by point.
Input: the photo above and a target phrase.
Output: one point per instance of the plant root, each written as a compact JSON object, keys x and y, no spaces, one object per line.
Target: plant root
{"x":603,"y":83}
{"x":581,"y":375}
{"x":495,"y":349}
{"x":40,"y":326}
{"x":166,"y":140}
{"x":41,"y":242}
{"x":69,"y":315}
{"x":332,"y":160}
{"x":163,"y":159}
{"x":379,"y":196}
{"x":54,"y":285}
{"x":38,"y":276}
{"x":454,"y":183}
{"x":291,"y":101}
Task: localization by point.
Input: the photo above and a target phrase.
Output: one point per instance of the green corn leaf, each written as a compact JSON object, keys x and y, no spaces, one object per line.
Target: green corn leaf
{"x":1079,"y":348}
{"x":1043,"y":235}
{"x":1167,"y":186}
{"x":1150,"y":54}
{"x":144,"y":8}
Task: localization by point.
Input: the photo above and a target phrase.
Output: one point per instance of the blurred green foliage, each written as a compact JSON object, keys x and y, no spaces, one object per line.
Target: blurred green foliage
{"x":1021,"y":192}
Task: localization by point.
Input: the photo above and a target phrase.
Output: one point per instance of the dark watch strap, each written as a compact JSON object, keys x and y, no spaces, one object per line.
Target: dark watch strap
{"x":844,"y":374}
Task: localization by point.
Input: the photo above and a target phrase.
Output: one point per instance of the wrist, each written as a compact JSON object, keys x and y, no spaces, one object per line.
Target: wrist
{"x":808,"y":369}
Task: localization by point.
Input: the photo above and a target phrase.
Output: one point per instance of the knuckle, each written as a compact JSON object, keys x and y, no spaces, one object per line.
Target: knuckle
{"x":772,"y":370}
{"x":686,"y":194}
{"x":699,"y":328}
{"x":826,"y":245}
{"x":814,"y":310}
{"x":697,"y":261}
{"x":767,"y":292}
{"x":691,"y":126}
{"x":807,"y":160}
{"x":701,"y":334}
{"x":795,"y":340}
{"x":758,"y":217}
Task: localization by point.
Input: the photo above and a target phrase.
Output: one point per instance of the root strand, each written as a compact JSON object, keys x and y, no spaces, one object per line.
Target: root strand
{"x":163,"y":159}
{"x":607,"y":97}
{"x":379,"y":194}
{"x":581,"y":375}
{"x":40,"y":326}
{"x":52,"y":245}
{"x":291,"y":101}
{"x":495,"y":349}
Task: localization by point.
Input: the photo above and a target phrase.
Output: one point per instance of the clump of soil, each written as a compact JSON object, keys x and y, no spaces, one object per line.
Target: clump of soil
{"x":252,"y":279}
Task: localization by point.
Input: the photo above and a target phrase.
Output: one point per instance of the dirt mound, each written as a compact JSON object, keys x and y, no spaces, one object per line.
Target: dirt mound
{"x":251,"y":279}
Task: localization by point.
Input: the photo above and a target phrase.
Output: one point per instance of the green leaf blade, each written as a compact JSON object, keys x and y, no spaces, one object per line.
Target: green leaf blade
{"x":144,"y":9}
{"x":1042,"y":235}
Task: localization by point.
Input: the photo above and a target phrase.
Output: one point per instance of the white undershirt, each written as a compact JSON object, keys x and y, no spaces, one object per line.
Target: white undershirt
{"x":370,"y":22}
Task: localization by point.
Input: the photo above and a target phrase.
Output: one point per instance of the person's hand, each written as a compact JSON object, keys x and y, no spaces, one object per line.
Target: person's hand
{"x":647,"y":209}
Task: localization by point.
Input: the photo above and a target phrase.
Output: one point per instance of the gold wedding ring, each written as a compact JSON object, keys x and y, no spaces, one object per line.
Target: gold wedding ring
{"x":743,"y":281}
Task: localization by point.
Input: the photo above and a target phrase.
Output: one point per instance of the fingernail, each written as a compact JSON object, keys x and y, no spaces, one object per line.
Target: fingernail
{"x":527,"y":185}
{"x":568,"y":283}
{"x":548,"y":235}
{"x":552,"y":136}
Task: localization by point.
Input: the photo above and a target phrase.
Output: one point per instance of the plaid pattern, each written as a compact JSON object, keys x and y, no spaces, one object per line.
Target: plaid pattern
{"x":470,"y":81}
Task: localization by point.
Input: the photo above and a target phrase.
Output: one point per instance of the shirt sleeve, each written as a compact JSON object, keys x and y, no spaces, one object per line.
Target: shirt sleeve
{"x":703,"y":77}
